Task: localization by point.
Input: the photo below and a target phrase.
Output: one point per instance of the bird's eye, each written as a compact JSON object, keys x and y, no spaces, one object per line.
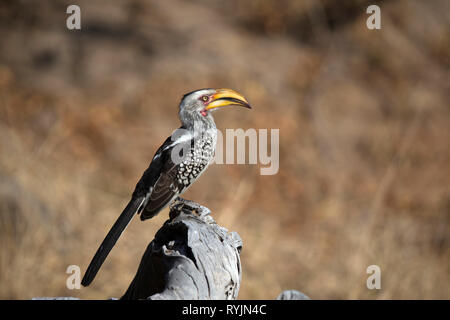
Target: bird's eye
{"x":205,"y":98}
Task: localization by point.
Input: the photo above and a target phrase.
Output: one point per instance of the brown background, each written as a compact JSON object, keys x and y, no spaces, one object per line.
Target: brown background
{"x":364,"y":139}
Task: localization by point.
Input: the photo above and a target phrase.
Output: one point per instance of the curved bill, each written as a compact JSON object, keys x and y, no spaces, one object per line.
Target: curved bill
{"x":227,"y":97}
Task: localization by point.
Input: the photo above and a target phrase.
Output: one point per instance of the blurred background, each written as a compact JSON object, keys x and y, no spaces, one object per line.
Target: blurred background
{"x":364,"y":139}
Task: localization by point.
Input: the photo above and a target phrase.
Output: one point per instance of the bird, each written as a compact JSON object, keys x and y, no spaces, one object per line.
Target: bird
{"x":176,"y":165}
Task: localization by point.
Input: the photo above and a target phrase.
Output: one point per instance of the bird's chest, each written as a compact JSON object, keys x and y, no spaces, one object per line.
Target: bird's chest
{"x":196,"y":160}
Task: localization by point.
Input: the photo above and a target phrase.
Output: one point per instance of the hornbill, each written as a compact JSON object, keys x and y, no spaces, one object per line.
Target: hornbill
{"x":178,"y":162}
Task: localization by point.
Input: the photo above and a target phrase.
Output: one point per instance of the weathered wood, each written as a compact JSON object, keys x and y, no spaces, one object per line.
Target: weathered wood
{"x":191,"y":257}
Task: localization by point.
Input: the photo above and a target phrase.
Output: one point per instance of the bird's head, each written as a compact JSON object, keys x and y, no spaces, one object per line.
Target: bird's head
{"x":198,"y":105}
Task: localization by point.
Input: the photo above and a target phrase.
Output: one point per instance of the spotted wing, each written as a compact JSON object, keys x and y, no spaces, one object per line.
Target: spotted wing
{"x":166,"y":186}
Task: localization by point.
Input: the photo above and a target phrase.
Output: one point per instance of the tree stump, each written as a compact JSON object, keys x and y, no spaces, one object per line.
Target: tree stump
{"x":191,"y":257}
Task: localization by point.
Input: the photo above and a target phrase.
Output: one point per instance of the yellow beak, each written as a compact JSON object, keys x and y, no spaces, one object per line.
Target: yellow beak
{"x":227,"y":97}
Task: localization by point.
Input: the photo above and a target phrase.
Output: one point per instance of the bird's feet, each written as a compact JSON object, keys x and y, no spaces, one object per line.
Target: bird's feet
{"x":180,"y":204}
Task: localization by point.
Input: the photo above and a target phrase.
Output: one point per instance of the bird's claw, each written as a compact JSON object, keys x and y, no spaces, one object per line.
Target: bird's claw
{"x":180,"y":204}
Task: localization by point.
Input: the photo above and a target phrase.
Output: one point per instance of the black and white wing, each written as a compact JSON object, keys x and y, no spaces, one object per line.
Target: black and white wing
{"x":166,"y":186}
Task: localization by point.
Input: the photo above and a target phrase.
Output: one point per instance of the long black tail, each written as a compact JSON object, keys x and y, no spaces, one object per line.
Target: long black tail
{"x":111,"y":239}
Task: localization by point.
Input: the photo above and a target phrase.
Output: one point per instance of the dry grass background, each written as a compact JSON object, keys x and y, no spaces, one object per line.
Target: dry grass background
{"x":364,"y":139}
